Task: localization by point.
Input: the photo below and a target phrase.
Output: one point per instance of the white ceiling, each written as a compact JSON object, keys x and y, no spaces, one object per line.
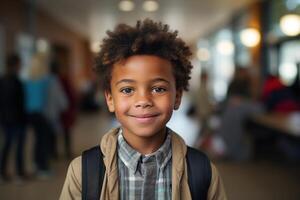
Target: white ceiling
{"x":192,"y":18}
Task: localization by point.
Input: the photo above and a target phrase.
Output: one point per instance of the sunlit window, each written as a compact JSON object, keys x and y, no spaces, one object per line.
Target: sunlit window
{"x":223,"y":63}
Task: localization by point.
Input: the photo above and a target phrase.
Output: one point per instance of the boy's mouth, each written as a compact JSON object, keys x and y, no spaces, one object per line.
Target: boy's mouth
{"x":145,"y":118}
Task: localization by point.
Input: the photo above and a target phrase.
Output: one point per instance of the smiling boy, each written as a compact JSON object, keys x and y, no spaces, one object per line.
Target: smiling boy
{"x":144,"y":70}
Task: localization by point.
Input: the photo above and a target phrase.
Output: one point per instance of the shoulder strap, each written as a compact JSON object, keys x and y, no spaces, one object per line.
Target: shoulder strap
{"x":199,"y":173}
{"x":93,"y":170}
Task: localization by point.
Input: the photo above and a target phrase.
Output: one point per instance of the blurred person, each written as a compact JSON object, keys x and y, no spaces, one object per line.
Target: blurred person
{"x":238,"y":107}
{"x":144,"y":70}
{"x":12,"y":117}
{"x":280,"y":99}
{"x":240,"y":83}
{"x":68,"y":116}
{"x":56,"y":103}
{"x":36,"y":95}
{"x":277,"y":97}
{"x":204,"y":106}
{"x":238,"y":144}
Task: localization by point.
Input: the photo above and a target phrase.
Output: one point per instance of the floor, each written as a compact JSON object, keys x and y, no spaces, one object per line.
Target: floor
{"x":264,"y":180}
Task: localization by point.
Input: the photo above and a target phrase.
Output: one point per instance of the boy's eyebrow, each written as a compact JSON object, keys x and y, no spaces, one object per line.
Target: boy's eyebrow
{"x":159,"y":80}
{"x":125,"y":81}
{"x":133,"y":81}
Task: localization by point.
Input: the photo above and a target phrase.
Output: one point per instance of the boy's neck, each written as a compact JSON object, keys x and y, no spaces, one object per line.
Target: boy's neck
{"x":145,"y":145}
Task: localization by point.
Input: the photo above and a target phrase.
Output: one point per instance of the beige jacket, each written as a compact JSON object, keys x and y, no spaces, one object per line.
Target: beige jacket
{"x":110,"y":189}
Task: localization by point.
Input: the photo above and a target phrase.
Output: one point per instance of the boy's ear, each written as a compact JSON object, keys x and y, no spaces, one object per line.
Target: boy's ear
{"x":178,"y":99}
{"x":109,"y":101}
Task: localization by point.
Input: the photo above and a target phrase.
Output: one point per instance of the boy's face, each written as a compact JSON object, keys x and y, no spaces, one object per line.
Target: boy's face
{"x":143,"y":94}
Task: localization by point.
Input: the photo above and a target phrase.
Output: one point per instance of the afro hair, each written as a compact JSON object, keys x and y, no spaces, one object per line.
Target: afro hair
{"x":145,"y":38}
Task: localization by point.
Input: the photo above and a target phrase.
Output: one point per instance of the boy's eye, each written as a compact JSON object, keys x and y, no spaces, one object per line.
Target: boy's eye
{"x":158,"y":89}
{"x":126,"y":90}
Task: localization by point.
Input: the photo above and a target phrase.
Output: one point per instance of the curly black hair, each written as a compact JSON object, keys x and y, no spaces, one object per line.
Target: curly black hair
{"x":145,"y":38}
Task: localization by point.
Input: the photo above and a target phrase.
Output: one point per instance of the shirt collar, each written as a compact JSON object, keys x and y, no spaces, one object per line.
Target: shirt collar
{"x":131,"y":158}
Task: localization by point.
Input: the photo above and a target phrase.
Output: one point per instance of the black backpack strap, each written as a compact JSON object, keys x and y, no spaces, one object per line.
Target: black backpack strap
{"x":93,"y":170}
{"x":199,"y":173}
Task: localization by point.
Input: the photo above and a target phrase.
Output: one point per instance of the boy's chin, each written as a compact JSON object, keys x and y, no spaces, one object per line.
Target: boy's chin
{"x":147,"y":132}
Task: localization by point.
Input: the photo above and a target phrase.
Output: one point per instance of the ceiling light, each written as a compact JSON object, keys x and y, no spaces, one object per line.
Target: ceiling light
{"x":290,"y":24}
{"x":250,"y":37}
{"x":126,"y":5}
{"x":225,"y":47}
{"x":150,"y":6}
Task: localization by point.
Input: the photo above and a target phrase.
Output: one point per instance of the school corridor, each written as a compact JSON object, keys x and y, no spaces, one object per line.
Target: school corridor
{"x":242,"y":107}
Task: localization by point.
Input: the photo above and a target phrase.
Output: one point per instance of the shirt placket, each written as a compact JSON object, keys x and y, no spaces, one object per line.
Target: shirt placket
{"x":149,"y":173}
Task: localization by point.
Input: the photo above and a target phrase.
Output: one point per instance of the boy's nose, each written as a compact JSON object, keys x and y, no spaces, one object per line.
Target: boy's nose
{"x":143,"y":101}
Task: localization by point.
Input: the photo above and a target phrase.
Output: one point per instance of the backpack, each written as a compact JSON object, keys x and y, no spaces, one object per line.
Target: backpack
{"x":93,"y":170}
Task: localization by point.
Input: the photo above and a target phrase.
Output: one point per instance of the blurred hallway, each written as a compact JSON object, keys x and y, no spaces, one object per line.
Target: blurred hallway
{"x":243,"y":98}
{"x":243,"y":180}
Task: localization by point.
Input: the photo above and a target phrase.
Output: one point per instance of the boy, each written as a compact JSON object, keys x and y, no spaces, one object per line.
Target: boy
{"x":144,"y":70}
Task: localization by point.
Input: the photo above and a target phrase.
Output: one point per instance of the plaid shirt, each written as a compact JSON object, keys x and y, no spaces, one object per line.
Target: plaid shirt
{"x":146,"y":177}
